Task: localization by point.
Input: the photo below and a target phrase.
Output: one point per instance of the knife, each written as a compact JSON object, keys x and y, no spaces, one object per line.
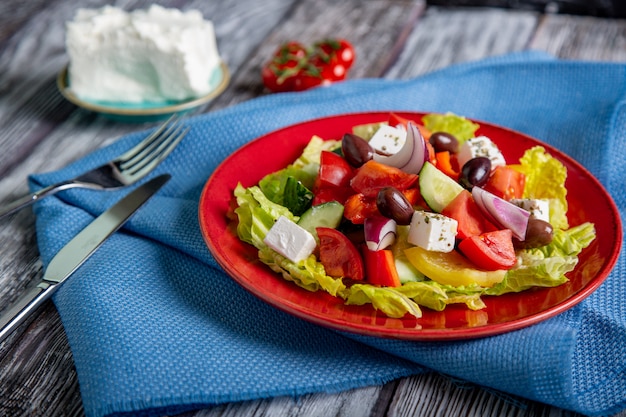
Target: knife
{"x":77,"y":251}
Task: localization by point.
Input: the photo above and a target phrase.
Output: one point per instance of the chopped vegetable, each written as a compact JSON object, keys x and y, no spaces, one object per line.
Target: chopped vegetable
{"x":362,"y":203}
{"x":295,"y":67}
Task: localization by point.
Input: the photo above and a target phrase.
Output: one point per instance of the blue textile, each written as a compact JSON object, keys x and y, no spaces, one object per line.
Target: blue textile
{"x":155,"y":326}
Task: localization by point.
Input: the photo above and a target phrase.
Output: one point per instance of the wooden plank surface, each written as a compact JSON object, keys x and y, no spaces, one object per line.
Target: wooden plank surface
{"x":393,"y":38}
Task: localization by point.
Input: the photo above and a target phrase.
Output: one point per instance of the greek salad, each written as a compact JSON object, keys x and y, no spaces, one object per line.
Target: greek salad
{"x":406,"y":214}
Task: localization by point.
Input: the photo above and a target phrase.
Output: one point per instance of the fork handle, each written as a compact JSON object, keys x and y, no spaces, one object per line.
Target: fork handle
{"x":29,"y":199}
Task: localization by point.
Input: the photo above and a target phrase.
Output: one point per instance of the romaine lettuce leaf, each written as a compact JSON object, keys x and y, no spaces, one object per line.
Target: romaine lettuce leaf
{"x":545,"y":179}
{"x":308,"y":274}
{"x":460,"y":127}
{"x":386,"y":299}
{"x":304,"y":169}
{"x":257,"y":214}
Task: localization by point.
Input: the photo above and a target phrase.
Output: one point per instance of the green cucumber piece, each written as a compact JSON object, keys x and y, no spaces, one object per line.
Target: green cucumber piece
{"x":323,"y":215}
{"x":437,"y":189}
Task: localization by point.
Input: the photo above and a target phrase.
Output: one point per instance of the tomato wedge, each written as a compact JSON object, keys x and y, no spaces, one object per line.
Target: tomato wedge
{"x":334,"y":170}
{"x":506,"y":182}
{"x":380,"y":268}
{"x":373,"y":176}
{"x":339,"y":255}
{"x":471,"y":221}
{"x":491,"y":251}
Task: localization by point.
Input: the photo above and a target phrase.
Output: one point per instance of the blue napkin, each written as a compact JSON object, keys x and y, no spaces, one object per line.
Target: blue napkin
{"x":156,"y":327}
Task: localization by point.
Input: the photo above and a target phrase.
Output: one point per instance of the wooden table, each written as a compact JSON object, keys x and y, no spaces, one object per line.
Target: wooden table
{"x":393,"y":39}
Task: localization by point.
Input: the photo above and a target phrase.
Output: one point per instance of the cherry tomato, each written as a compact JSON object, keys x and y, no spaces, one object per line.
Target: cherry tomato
{"x":339,"y":255}
{"x":294,"y":67}
{"x":490,"y":251}
{"x":278,"y":74}
{"x":340,"y":50}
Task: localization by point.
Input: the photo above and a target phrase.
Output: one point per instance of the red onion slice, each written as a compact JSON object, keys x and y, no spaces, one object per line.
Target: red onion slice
{"x":502,"y":213}
{"x":411,"y":157}
{"x":380,"y":232}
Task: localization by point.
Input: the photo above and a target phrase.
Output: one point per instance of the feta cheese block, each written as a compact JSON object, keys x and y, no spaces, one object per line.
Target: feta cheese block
{"x":150,"y":55}
{"x":388,"y":139}
{"x":290,"y":240}
{"x":480,"y":146}
{"x":538,"y":208}
{"x":432,"y":231}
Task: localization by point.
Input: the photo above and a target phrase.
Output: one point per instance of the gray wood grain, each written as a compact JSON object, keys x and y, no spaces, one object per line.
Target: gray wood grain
{"x":393,"y":38}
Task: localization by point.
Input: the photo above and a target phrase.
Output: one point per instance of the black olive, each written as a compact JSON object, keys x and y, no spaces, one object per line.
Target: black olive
{"x":393,"y":204}
{"x":538,"y":233}
{"x":475,"y":172}
{"x":356,"y":150}
{"x":443,"y":141}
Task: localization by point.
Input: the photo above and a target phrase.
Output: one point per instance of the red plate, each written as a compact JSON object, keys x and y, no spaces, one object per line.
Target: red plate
{"x":502,"y":314}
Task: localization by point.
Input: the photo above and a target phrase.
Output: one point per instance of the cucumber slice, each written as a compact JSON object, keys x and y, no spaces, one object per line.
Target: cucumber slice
{"x":323,"y":215}
{"x":437,"y":189}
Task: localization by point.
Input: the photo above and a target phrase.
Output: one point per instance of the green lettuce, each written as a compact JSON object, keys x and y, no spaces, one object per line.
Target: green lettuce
{"x":546,"y":266}
{"x":304,"y":170}
{"x":256,"y":214}
{"x":460,"y":127}
{"x":545,"y":179}
{"x":386,"y":299}
{"x":308,"y":274}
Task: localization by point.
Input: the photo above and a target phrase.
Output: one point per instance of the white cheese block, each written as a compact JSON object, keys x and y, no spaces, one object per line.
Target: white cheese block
{"x":538,"y":208}
{"x":432,"y":231}
{"x":146,"y":55}
{"x":290,"y":240}
{"x":388,"y":139}
{"x":480,"y":146}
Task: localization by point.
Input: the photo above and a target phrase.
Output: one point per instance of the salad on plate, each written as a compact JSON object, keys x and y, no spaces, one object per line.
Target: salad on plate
{"x":407,"y":214}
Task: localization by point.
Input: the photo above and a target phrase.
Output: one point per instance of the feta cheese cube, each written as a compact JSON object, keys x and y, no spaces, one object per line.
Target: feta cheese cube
{"x":538,"y":208}
{"x":290,"y":240}
{"x":480,"y":146}
{"x":432,"y":231}
{"x":388,"y":139}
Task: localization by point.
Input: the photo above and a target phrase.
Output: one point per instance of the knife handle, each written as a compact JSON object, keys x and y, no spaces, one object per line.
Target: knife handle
{"x":25,"y":305}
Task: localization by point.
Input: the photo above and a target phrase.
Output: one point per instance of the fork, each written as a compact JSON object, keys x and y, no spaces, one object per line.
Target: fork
{"x":124,"y":170}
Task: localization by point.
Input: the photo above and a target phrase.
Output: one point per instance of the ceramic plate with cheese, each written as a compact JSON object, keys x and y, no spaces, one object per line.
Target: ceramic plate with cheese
{"x":151,"y":62}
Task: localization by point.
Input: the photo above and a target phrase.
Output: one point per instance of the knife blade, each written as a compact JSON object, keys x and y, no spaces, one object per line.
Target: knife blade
{"x":76,"y":252}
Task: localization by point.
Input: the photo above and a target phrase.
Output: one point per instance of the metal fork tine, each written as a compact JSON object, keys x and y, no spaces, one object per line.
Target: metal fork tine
{"x":148,"y":163}
{"x":153,"y":147}
{"x":156,"y":136}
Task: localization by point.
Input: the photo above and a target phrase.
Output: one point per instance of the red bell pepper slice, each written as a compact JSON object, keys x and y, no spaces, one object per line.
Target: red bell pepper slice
{"x":380,"y":268}
{"x":373,"y":176}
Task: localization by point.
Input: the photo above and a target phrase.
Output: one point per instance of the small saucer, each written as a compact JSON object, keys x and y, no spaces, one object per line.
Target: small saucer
{"x":141,"y":112}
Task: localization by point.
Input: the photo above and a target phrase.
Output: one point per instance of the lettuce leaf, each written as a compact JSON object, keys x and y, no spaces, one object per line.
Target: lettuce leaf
{"x":386,"y":299}
{"x":257,"y":214}
{"x":545,"y":179}
{"x":546,"y":266}
{"x":308,"y":274}
{"x":462,"y":128}
{"x":304,"y":169}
